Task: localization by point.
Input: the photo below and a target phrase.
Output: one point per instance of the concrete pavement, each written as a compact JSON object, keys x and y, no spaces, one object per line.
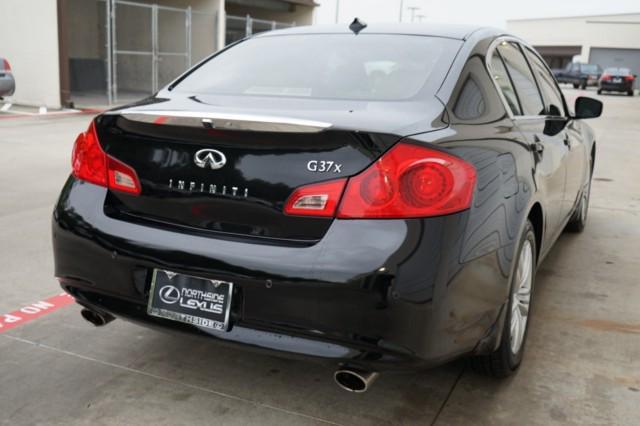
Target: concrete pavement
{"x":582,"y":364}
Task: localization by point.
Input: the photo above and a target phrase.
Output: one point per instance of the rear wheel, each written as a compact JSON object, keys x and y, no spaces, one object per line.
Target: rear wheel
{"x":583,"y":84}
{"x":575,"y":85}
{"x":508,"y":357}
{"x":630,"y":93}
{"x":599,"y":91}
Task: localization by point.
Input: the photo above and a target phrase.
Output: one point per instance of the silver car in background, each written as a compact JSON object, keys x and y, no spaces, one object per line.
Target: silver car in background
{"x":7,"y":83}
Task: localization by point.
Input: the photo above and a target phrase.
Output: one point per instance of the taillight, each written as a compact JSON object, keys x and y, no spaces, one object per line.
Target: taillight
{"x":408,"y":181}
{"x":90,"y":163}
{"x":319,"y":199}
{"x":122,"y":177}
{"x":629,"y":77}
{"x":6,"y":65}
{"x":606,"y":77}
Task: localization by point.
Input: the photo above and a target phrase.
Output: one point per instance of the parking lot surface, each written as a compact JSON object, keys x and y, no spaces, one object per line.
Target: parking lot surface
{"x":582,"y":364}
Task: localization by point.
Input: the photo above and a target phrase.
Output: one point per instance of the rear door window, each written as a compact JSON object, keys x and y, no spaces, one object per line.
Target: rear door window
{"x":552,"y":96}
{"x":501,"y":77}
{"x":522,"y":78}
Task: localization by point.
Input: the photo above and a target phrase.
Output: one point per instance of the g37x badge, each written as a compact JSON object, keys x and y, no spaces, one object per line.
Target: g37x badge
{"x":321,"y":166}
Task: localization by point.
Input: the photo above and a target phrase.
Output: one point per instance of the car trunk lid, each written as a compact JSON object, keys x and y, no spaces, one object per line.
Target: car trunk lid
{"x":178,"y":154}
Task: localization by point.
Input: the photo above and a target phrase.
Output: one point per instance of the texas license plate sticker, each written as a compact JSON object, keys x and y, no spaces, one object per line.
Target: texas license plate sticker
{"x":192,"y":300}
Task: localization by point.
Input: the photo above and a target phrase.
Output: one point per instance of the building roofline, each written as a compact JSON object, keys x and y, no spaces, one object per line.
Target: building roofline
{"x":549,"y":18}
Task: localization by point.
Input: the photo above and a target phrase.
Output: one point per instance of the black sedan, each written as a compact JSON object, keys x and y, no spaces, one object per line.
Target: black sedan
{"x":617,"y":80}
{"x":379,"y":197}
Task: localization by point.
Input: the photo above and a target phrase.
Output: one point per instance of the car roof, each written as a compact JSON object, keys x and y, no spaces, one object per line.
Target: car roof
{"x":459,"y":32}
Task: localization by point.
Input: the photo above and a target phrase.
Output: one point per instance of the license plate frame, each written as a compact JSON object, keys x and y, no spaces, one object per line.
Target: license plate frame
{"x":617,"y":80}
{"x":198,"y":301}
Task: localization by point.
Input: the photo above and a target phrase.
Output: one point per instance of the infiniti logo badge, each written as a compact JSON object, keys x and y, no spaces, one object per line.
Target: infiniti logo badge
{"x":210,"y":157}
{"x":169,"y":294}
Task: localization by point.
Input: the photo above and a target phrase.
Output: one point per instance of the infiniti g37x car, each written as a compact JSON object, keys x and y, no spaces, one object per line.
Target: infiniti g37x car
{"x":378,"y":197}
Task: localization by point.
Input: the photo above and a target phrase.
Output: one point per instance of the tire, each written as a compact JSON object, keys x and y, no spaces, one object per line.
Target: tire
{"x":583,"y":85}
{"x":505,"y":360}
{"x":630,"y":93}
{"x":578,"y":220}
{"x":575,"y":85}
{"x":599,"y":91}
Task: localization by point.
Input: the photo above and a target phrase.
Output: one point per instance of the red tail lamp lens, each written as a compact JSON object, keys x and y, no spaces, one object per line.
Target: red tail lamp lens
{"x":88,"y":160}
{"x":426,"y":183}
{"x":91,"y":164}
{"x":409,"y":181}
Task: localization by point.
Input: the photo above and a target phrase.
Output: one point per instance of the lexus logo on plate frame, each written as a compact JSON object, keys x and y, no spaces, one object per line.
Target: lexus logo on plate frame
{"x":211,"y":158}
{"x":169,"y":294}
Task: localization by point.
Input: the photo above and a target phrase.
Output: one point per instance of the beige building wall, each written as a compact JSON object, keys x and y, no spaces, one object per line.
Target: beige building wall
{"x":29,"y":40}
{"x":612,"y":31}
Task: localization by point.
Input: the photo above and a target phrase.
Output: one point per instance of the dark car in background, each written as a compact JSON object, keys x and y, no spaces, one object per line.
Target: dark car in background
{"x":379,"y":197}
{"x":617,"y":80}
{"x":579,"y":75}
{"x":7,"y":83}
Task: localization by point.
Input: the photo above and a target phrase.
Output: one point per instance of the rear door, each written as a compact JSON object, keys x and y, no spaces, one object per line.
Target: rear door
{"x":548,"y":147}
{"x":558,"y":122}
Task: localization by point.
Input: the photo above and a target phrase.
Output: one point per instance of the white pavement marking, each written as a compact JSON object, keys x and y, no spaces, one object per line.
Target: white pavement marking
{"x":165,"y":379}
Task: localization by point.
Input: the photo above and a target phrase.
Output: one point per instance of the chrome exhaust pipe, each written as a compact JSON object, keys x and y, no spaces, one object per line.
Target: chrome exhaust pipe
{"x":355,"y":380}
{"x":96,"y":318}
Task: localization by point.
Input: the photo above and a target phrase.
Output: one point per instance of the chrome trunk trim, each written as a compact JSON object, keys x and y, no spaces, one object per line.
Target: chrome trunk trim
{"x":224,"y":121}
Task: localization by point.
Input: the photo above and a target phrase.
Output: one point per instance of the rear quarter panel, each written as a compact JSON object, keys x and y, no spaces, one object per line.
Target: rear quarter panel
{"x":482,"y":133}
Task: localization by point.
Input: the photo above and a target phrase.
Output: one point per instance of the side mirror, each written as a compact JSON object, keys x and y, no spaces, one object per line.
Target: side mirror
{"x":587,"y":108}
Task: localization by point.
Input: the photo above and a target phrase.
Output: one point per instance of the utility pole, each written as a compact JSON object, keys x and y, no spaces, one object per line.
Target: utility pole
{"x":413,"y":12}
{"x":337,"y":10}
{"x":401,"y":9}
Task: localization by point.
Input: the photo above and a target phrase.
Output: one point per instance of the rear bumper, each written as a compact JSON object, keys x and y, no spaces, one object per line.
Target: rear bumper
{"x":377,"y":294}
{"x":616,"y":87}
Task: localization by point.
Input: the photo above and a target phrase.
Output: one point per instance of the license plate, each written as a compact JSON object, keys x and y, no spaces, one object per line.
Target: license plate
{"x":617,"y":80}
{"x":192,"y":300}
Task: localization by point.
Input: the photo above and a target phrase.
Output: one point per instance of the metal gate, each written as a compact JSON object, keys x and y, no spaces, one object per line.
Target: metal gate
{"x":148,"y":40}
{"x":239,"y":27}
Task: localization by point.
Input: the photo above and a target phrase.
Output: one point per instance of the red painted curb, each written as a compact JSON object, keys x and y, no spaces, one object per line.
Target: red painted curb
{"x":34,"y":311}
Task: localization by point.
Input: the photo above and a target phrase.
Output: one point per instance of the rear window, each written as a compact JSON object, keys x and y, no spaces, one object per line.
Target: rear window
{"x":368,"y":67}
{"x":590,"y":69}
{"x":618,"y":71}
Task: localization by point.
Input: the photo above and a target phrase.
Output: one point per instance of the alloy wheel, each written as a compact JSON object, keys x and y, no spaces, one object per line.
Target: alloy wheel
{"x":521,"y":297}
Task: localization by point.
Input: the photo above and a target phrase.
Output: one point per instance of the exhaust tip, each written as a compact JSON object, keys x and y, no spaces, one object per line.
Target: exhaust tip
{"x":352,"y":380}
{"x":96,"y":318}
